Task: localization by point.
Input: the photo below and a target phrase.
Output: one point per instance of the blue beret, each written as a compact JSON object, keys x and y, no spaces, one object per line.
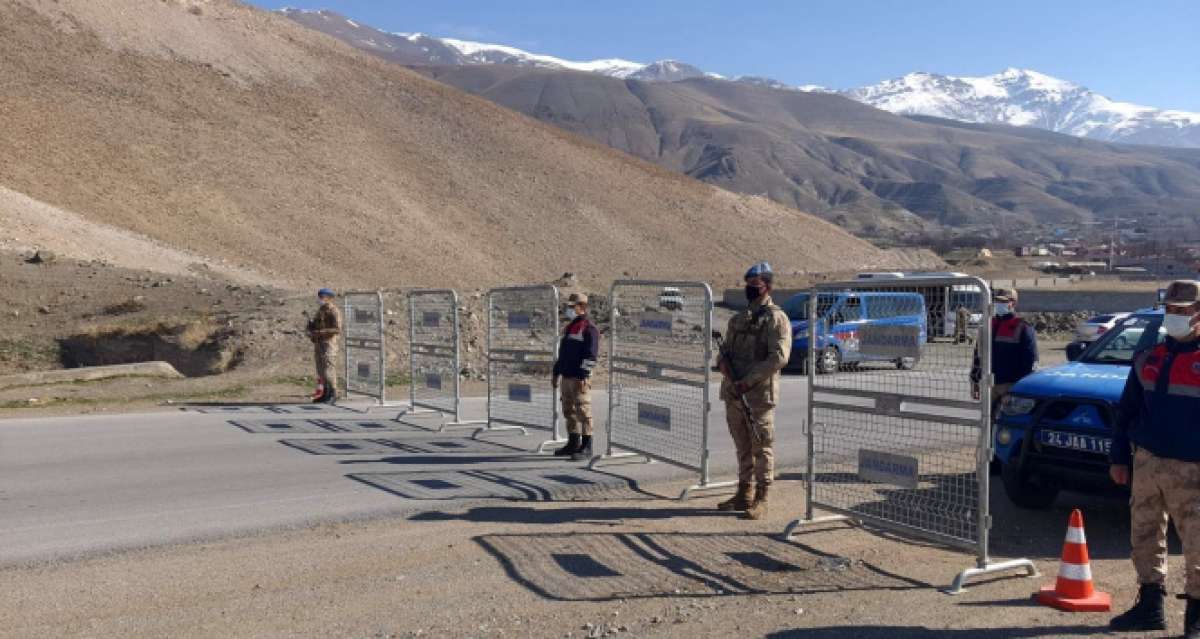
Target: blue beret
{"x":758,"y":270}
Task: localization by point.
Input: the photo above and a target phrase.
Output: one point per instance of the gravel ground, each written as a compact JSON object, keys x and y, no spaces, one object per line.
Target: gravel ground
{"x":633,"y":565}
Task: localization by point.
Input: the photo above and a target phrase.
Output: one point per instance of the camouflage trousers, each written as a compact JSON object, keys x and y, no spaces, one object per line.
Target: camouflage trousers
{"x":325,"y":355}
{"x":755,"y":454}
{"x":576,"y":396}
{"x":1164,"y":488}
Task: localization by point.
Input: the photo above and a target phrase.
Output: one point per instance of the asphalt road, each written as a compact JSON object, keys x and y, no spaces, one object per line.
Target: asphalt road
{"x":72,"y":486}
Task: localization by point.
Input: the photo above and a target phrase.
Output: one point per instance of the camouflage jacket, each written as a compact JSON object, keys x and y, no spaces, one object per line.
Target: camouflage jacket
{"x":326,"y":324}
{"x":757,"y":346}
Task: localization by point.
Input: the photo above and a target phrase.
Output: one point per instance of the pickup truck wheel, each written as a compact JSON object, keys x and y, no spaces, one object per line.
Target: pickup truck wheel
{"x":1023,"y":491}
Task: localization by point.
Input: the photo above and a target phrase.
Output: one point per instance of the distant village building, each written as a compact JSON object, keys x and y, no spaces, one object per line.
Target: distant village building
{"x":1160,"y":268}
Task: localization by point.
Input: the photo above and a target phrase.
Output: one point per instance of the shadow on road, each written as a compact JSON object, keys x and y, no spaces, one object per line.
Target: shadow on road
{"x":515,"y":484}
{"x":458,"y":460}
{"x":261,"y":408}
{"x":608,"y":566}
{"x":314,"y":425}
{"x":921,"y":632}
{"x":428,"y":447}
{"x":582,"y":514}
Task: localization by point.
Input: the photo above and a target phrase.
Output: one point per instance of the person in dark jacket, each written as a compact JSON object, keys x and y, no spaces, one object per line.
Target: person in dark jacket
{"x":1156,"y":444}
{"x":577,"y":355}
{"x":1014,"y":348}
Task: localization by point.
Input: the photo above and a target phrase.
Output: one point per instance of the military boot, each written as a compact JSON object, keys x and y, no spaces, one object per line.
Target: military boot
{"x":570,"y":448}
{"x":1191,"y":619}
{"x":584,"y":452}
{"x":758,"y":509}
{"x":1146,"y":614}
{"x":741,"y":500}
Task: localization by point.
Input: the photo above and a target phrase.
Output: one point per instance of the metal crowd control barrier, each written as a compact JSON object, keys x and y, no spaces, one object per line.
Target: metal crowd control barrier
{"x":522,"y":341}
{"x":365,"y":352}
{"x":895,"y":438}
{"x":660,"y":363}
{"x":433,"y":332}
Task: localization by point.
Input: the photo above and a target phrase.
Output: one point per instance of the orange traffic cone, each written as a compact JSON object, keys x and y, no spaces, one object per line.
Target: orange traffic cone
{"x":1073,"y":590}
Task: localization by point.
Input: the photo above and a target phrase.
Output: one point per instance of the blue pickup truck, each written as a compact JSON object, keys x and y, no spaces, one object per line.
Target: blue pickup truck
{"x":1054,"y":430}
{"x":844,"y":316}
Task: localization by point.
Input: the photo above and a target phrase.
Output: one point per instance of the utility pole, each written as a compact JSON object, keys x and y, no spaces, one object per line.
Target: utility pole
{"x":1112,"y":247}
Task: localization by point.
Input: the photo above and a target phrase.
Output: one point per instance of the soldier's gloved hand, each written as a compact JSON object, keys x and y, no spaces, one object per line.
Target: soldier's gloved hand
{"x":1119,"y":474}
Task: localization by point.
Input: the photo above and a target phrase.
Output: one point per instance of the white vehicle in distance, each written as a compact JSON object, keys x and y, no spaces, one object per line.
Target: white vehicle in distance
{"x":1092,"y":328}
{"x":671,"y":298}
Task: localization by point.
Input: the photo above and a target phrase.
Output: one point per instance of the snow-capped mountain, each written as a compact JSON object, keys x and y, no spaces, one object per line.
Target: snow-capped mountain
{"x":482,"y":53}
{"x":419,"y":48}
{"x":669,"y":71}
{"x":1015,"y":97}
{"x":1021,"y":97}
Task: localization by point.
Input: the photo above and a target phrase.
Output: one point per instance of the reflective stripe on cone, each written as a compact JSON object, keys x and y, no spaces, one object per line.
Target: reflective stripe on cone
{"x":1073,"y":590}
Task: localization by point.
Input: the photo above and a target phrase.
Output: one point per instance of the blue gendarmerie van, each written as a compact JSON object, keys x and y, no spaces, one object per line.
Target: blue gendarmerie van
{"x":843,"y":317}
{"x":1054,"y":429}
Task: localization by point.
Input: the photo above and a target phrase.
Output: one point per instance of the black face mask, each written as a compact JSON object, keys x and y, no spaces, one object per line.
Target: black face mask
{"x":753,"y":293}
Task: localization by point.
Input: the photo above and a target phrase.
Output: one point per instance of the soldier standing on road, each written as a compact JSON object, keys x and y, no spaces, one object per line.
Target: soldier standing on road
{"x":756,"y":348}
{"x":1156,"y":433}
{"x":324,"y":329}
{"x":577,"y":355}
{"x":962,"y":324}
{"x":1014,"y":348}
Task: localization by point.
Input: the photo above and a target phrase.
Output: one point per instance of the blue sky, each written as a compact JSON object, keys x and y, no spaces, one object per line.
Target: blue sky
{"x":1146,"y":52}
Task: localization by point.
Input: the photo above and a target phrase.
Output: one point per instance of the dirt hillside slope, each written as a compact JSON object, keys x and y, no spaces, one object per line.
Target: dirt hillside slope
{"x":232,"y":133}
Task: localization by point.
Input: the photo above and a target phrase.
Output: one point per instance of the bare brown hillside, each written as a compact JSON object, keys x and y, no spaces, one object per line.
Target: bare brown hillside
{"x":231,"y":133}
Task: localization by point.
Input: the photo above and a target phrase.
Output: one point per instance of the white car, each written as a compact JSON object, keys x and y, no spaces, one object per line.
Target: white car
{"x":1093,"y":327}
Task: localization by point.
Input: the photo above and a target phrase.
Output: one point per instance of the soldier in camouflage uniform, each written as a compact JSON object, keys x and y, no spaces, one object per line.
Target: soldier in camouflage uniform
{"x":756,"y":348}
{"x":1156,"y":445}
{"x":962,"y":324}
{"x":324,"y":329}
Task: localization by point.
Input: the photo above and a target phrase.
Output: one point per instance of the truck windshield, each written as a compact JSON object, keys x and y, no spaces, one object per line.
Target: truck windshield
{"x":1126,"y":339}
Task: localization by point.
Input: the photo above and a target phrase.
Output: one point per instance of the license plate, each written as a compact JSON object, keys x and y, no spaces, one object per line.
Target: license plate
{"x":1075,"y":441}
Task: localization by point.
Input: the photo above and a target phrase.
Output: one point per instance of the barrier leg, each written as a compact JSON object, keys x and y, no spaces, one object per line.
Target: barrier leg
{"x":368,"y":408}
{"x":990,"y":568}
{"x":409,"y":410}
{"x":549,"y":443}
{"x":619,"y":458}
{"x":796,"y":524}
{"x":705,"y":487}
{"x":461,"y":425}
{"x":489,"y":428}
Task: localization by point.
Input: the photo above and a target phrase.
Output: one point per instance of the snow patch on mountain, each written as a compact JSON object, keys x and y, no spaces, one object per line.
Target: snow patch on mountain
{"x":484,"y":53}
{"x":1022,"y":97}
